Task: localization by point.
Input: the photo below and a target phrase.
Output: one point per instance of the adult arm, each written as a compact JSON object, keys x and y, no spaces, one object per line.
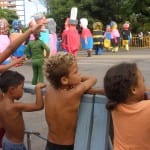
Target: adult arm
{"x":7,"y":66}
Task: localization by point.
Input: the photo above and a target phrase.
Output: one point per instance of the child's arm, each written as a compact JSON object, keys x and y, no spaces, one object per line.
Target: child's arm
{"x":147,"y":89}
{"x":95,"y":91}
{"x":38,"y":105}
{"x":86,"y":83}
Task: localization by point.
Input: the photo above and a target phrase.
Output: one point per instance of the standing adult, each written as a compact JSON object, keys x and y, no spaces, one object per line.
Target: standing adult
{"x":35,"y":50}
{"x":86,"y":37}
{"x":107,"y":38}
{"x":98,"y":37}
{"x":126,"y":36}
{"x":115,"y":36}
{"x":51,"y":25}
{"x":72,"y":37}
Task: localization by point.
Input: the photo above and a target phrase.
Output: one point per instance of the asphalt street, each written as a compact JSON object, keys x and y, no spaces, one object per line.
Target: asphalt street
{"x":96,"y":65}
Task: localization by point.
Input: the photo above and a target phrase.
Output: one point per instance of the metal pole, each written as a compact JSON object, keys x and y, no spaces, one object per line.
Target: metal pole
{"x":28,"y":141}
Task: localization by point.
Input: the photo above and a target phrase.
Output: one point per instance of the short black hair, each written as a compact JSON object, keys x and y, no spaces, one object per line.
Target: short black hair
{"x":10,"y":78}
{"x":118,"y":81}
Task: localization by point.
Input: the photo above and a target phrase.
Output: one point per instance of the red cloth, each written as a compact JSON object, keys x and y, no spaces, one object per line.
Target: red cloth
{"x":64,"y":39}
{"x":2,"y":132}
{"x":86,"y":33}
{"x":73,"y":40}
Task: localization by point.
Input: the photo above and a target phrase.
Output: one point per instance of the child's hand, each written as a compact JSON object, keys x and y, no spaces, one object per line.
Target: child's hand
{"x":19,"y":60}
{"x":40,"y":85}
{"x":37,"y":27}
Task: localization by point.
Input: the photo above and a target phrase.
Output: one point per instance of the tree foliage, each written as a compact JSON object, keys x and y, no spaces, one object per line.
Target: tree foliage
{"x":9,"y":15}
{"x":135,"y":11}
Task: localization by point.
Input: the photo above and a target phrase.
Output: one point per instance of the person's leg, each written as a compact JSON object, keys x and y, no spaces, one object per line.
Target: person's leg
{"x":35,"y":74}
{"x":9,"y":145}
{"x":96,"y":50}
{"x":40,"y":73}
{"x":99,"y":51}
{"x":89,"y":52}
{"x":116,"y":49}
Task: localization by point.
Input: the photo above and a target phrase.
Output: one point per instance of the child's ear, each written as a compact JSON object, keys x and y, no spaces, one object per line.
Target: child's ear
{"x":64,"y":80}
{"x":133,"y":90}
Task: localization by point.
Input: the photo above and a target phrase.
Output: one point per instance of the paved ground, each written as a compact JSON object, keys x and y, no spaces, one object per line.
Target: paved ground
{"x":95,"y":65}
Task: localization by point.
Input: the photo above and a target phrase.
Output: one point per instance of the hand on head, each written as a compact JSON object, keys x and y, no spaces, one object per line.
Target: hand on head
{"x":36,"y":27}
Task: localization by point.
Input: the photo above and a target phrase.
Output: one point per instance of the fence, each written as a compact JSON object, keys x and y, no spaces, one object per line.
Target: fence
{"x":93,"y":125}
{"x":140,"y":43}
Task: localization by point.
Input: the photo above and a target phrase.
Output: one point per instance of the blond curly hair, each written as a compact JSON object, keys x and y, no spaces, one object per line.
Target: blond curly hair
{"x":56,"y":67}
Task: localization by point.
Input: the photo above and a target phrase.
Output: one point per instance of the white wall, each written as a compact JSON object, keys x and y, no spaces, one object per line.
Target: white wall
{"x":26,"y":9}
{"x":32,"y":8}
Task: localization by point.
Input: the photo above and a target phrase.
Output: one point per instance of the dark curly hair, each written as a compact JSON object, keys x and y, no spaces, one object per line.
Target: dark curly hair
{"x":10,"y":78}
{"x":118,"y":81}
{"x":58,"y":66}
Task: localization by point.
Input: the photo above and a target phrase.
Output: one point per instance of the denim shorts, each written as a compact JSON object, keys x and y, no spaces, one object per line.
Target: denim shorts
{"x":8,"y":145}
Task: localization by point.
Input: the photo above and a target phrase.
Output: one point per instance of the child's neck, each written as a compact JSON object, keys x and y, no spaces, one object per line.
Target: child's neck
{"x":67,"y":87}
{"x":132,"y":100}
{"x":9,"y":97}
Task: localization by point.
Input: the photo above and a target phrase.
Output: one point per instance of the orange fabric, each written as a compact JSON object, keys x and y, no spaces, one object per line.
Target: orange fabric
{"x":132,"y":126}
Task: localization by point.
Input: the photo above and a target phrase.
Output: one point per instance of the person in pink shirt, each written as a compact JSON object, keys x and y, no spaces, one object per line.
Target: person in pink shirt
{"x":51,"y":25}
{"x":115,"y":36}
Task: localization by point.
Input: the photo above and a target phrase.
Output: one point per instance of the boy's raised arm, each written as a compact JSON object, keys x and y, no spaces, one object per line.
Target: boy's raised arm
{"x":95,"y":91}
{"x":39,"y":96}
{"x":38,"y":105}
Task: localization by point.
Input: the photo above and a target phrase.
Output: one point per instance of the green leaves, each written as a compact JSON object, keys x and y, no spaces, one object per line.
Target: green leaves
{"x":9,"y":15}
{"x":135,"y":11}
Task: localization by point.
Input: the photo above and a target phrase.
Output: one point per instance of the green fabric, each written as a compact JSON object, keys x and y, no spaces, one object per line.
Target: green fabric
{"x":37,"y":71}
{"x":35,"y":50}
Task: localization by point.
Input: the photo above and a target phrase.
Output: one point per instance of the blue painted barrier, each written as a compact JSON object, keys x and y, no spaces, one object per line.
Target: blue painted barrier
{"x":93,"y":124}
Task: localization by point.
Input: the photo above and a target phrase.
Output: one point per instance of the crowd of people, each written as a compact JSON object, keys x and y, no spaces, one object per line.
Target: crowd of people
{"x":96,"y":39}
{"x":123,"y":86}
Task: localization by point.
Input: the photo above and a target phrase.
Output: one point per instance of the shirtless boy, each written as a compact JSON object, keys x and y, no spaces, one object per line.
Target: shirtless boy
{"x":62,"y":99}
{"x":11,"y":119}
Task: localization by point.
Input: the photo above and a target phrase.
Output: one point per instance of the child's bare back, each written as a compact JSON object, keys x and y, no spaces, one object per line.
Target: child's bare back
{"x":63,"y":97}
{"x":11,"y":119}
